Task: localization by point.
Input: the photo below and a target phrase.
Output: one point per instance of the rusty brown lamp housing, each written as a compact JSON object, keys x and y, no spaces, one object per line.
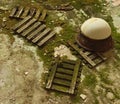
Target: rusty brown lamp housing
{"x":95,"y":35}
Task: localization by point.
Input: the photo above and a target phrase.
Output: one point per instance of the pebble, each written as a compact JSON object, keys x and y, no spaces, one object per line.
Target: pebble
{"x":26,"y":73}
{"x":4,"y":19}
{"x":110,"y":95}
{"x":83,"y":96}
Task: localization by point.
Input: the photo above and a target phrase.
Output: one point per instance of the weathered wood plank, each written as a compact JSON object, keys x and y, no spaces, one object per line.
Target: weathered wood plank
{"x":29,"y":30}
{"x":63,"y":76}
{"x":13,"y":12}
{"x":61,"y":70}
{"x":69,"y":61}
{"x":101,"y":56}
{"x":93,"y":56}
{"x":74,"y":78}
{"x":98,"y":60}
{"x":26,"y":25}
{"x":21,"y":23}
{"x":60,"y":88}
{"x":37,"y":15}
{"x":49,"y":36}
{"x":67,"y":66}
{"x":32,"y":12}
{"x":19,"y":12}
{"x":36,"y":32}
{"x":61,"y":82}
{"x":51,"y":76}
{"x":26,"y":12}
{"x":87,"y":53}
{"x":41,"y":35}
{"x":44,"y":13}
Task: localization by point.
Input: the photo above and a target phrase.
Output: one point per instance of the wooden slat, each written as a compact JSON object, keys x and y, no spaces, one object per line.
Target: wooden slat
{"x":19,"y":12}
{"x":87,"y":53}
{"x":32,"y":12}
{"x":51,"y":77}
{"x":44,"y":13}
{"x":13,"y":12}
{"x":69,"y":61}
{"x":74,"y":78}
{"x":46,"y":38}
{"x":61,"y":70}
{"x":21,"y":23}
{"x":98,"y":60}
{"x":37,"y":15}
{"x":26,"y":12}
{"x":63,"y":76}
{"x":41,"y":35}
{"x":91,"y":56}
{"x":101,"y":56}
{"x":61,"y":82}
{"x":60,"y":88}
{"x":83,"y":55}
{"x":67,"y":66}
{"x":29,"y":30}
{"x":26,"y":25}
{"x":39,"y":29}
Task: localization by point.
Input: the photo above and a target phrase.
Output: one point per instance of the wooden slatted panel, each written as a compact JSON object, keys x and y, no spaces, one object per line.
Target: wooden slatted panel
{"x":46,"y":38}
{"x":83,"y":55}
{"x":19,"y":12}
{"x":29,"y":30}
{"x":26,"y":25}
{"x":41,"y":35}
{"x":36,"y":32}
{"x":21,"y":23}
{"x":66,"y":80}
{"x":51,"y":76}
{"x":26,"y":12}
{"x":74,"y":78}
{"x":13,"y":12}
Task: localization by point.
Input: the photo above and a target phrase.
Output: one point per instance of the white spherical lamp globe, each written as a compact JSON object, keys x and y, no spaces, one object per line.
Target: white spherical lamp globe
{"x":96,"y":28}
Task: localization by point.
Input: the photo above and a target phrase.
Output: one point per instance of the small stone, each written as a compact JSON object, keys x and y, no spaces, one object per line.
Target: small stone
{"x":46,"y":71}
{"x":60,"y":35}
{"x":58,"y":29}
{"x":83,"y":96}
{"x":45,"y":54}
{"x":43,"y":83}
{"x":26,"y":73}
{"x":4,"y":19}
{"x":3,"y":24}
{"x":110,"y":95}
{"x":82,"y":77}
{"x":17,"y":69}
